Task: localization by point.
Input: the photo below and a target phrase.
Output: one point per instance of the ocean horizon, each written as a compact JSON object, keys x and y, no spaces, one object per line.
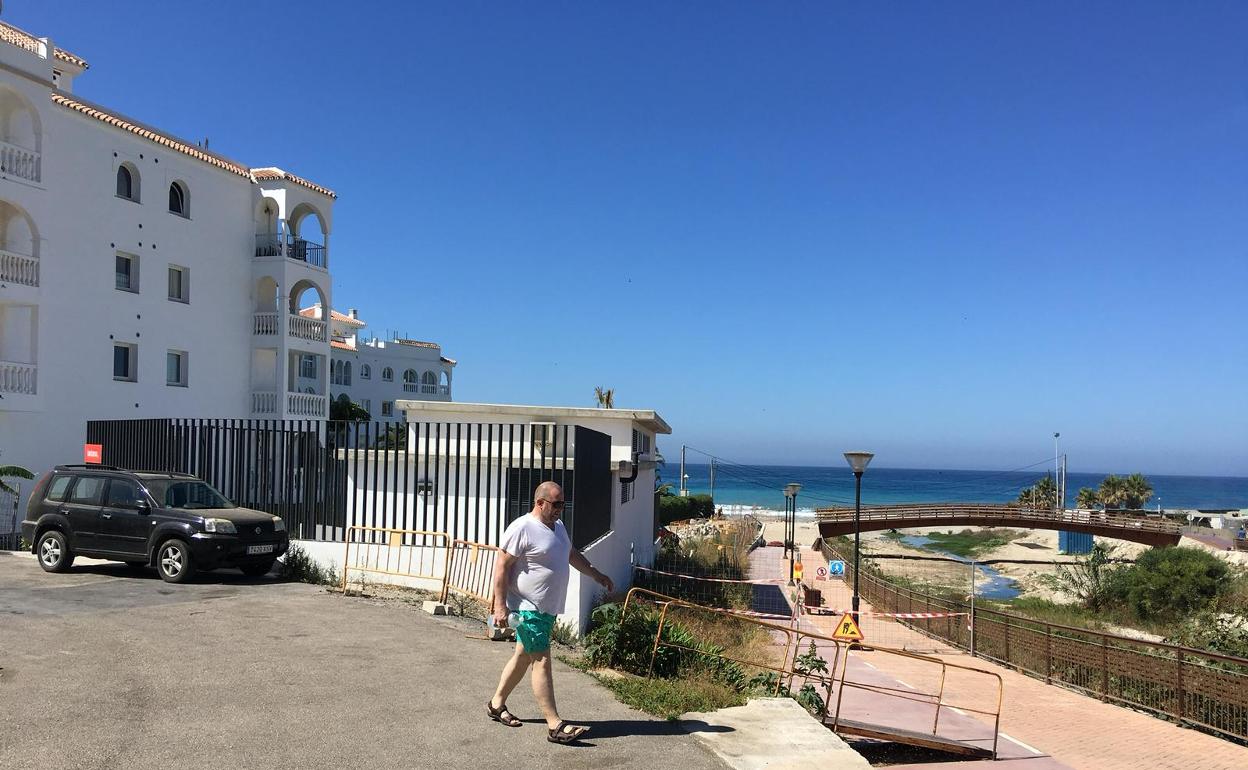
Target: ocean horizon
{"x":761,"y":486}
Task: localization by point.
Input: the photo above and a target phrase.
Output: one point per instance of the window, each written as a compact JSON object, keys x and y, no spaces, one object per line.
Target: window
{"x":335,"y":372}
{"x":626,"y":491}
{"x":58,"y":488}
{"x":123,"y":494}
{"x":179,"y":284}
{"x":175,"y":368}
{"x":428,"y":383}
{"x":177,"y":200}
{"x":125,"y":362}
{"x":88,"y":491}
{"x":307,"y":367}
{"x":409,"y":380}
{"x":387,"y":408}
{"x":128,"y":182}
{"x":367,"y":405}
{"x":387,"y":374}
{"x":366,"y":372}
{"x":127,"y":269}
{"x":346,"y":374}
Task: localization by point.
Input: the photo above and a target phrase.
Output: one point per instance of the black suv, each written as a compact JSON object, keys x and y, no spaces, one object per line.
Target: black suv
{"x":173,"y":521}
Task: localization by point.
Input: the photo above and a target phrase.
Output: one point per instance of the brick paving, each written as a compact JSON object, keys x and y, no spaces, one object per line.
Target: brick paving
{"x":1077,"y":731}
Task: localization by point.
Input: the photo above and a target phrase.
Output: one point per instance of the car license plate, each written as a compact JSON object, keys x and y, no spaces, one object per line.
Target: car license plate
{"x":255,"y":549}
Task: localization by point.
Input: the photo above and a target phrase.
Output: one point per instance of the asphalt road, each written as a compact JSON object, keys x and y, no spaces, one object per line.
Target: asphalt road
{"x":105,"y":668}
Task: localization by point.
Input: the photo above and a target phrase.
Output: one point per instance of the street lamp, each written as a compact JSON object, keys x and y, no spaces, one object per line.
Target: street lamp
{"x":790,"y":522}
{"x":858,"y":461}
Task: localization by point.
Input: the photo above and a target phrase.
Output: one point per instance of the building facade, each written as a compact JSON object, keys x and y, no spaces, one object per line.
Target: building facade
{"x":142,"y":275}
{"x":377,"y":373}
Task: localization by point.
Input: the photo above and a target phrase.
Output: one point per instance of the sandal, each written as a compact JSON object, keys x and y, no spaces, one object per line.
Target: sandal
{"x":566,"y":733}
{"x":502,"y":715}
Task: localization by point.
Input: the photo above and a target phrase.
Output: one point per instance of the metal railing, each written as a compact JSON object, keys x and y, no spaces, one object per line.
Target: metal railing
{"x":19,"y":268}
{"x":291,"y":247}
{"x":408,"y":553}
{"x":1196,"y":687}
{"x":19,"y":378}
{"x":787,"y":667}
{"x":11,"y":518}
{"x":991,"y":515}
{"x":20,"y":162}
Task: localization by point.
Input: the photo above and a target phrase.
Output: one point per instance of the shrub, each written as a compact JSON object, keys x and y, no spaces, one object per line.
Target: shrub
{"x":298,"y":565}
{"x":1172,"y":582}
{"x":627,"y":644}
{"x":669,"y":698}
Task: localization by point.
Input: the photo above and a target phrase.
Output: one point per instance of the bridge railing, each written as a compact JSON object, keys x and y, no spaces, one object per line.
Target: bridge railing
{"x":1195,"y":687}
{"x":940,"y":511}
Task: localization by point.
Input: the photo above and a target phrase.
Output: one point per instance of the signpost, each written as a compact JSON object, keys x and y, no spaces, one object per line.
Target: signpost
{"x":93,"y":453}
{"x":821,"y":573}
{"x":836,"y":568}
{"x":847,"y":629}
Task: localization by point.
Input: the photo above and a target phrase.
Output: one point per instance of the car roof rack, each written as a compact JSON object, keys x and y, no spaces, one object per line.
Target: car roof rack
{"x":178,"y":474}
{"x":90,"y":467}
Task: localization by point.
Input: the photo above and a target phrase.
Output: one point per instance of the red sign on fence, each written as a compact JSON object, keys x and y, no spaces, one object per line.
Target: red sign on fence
{"x":93,"y":453}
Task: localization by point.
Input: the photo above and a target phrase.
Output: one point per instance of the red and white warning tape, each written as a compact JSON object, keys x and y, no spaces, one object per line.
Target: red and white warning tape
{"x":902,"y":615}
{"x":760,"y":581}
{"x":747,"y":613}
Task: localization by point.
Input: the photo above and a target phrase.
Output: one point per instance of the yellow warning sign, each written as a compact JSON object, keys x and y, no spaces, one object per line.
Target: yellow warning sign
{"x":847,"y":630}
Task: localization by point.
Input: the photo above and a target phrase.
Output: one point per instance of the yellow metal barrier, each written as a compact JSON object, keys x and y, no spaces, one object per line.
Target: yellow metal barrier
{"x":470,"y":570}
{"x":411,"y":553}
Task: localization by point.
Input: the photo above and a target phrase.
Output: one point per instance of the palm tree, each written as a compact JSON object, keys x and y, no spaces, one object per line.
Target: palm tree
{"x":1113,"y":491}
{"x":1137,"y":490}
{"x":1087,"y":498}
{"x":12,"y":472}
{"x":605,"y":396}
{"x":1041,"y":496}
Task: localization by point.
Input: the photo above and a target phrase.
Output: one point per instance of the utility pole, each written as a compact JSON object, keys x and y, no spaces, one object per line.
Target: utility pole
{"x":712,"y":481}
{"x":1058,"y":496}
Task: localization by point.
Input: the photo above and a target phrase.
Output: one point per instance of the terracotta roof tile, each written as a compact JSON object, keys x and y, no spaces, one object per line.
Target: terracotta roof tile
{"x":165,"y":140}
{"x":341,"y":345}
{"x":26,"y":41}
{"x":270,"y":172}
{"x":450,"y":361}
{"x":419,"y":344}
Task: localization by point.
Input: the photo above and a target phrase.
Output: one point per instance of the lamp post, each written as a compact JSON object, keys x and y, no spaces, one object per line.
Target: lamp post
{"x":790,"y":522}
{"x":858,"y":461}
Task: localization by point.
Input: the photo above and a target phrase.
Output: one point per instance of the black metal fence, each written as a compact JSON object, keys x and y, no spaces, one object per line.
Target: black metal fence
{"x":10,"y":519}
{"x":466,"y":479}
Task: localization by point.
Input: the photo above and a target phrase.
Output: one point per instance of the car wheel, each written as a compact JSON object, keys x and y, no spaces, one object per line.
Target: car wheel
{"x":173,"y":561}
{"x":257,"y":570}
{"x":53,"y":552}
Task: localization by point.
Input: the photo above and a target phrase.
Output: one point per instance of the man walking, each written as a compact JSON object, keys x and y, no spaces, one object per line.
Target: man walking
{"x":531,"y":578}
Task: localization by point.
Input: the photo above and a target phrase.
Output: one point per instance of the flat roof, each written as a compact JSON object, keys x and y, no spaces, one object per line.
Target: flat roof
{"x":647,"y":417}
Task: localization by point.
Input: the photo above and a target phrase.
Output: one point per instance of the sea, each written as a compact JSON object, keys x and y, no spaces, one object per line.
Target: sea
{"x":761,"y":486}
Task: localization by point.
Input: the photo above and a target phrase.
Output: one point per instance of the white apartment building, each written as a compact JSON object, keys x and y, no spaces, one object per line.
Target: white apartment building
{"x":375,"y":373}
{"x":142,"y":275}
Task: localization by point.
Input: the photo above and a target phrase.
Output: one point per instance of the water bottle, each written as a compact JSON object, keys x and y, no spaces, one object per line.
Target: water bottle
{"x":513,"y":620}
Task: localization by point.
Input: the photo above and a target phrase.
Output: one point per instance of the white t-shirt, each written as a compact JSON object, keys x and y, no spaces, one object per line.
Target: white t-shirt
{"x":539,"y":578}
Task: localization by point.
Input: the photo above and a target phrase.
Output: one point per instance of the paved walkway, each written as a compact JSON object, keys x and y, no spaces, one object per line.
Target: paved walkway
{"x":1078,"y":731}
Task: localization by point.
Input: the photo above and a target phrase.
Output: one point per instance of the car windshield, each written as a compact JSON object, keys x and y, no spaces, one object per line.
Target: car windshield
{"x":189,"y":494}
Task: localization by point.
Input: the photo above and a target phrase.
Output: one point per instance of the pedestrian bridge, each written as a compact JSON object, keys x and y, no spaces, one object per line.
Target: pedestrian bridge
{"x":1123,"y":526}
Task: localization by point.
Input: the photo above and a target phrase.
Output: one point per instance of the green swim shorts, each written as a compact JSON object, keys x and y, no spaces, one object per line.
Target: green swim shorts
{"x":534,"y":629}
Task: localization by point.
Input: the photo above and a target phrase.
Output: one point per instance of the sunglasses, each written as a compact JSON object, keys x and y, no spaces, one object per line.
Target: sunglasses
{"x":553,"y":503}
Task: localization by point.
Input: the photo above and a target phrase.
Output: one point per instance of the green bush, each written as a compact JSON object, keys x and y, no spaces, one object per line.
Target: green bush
{"x":672,"y":508}
{"x":627,"y":644}
{"x":1172,"y":582}
{"x":299,"y":565}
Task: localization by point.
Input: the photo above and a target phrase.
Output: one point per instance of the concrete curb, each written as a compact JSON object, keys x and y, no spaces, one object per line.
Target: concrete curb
{"x":776,"y":734}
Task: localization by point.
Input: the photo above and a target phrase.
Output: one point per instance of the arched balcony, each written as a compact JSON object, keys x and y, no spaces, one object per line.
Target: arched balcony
{"x":410,"y":381}
{"x":21,"y":137}
{"x":19,"y":246}
{"x":429,"y":383}
{"x":300,"y":237}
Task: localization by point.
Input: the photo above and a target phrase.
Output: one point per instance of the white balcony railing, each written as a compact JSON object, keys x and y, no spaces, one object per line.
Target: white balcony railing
{"x":307,"y":328}
{"x":18,"y":268}
{"x":263,"y":402}
{"x":265,"y":323}
{"x":20,"y":162}
{"x":18,"y":378}
{"x":444,"y":390}
{"x":306,"y":405}
{"x":428,"y":388}
{"x":409,"y":387}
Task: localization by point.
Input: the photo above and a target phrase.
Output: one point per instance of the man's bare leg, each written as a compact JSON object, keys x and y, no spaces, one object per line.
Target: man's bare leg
{"x":544,"y":687}
{"x":513,"y":672}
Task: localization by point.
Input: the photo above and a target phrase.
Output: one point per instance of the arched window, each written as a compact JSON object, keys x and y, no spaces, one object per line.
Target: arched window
{"x":127,"y":183}
{"x":177,"y":200}
{"x":410,"y":378}
{"x":387,"y":374}
{"x":366,"y":372}
{"x":346,"y":374}
{"x":428,"y":383}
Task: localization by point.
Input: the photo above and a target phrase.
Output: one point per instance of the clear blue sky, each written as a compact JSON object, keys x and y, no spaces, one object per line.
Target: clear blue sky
{"x":941,"y":231}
